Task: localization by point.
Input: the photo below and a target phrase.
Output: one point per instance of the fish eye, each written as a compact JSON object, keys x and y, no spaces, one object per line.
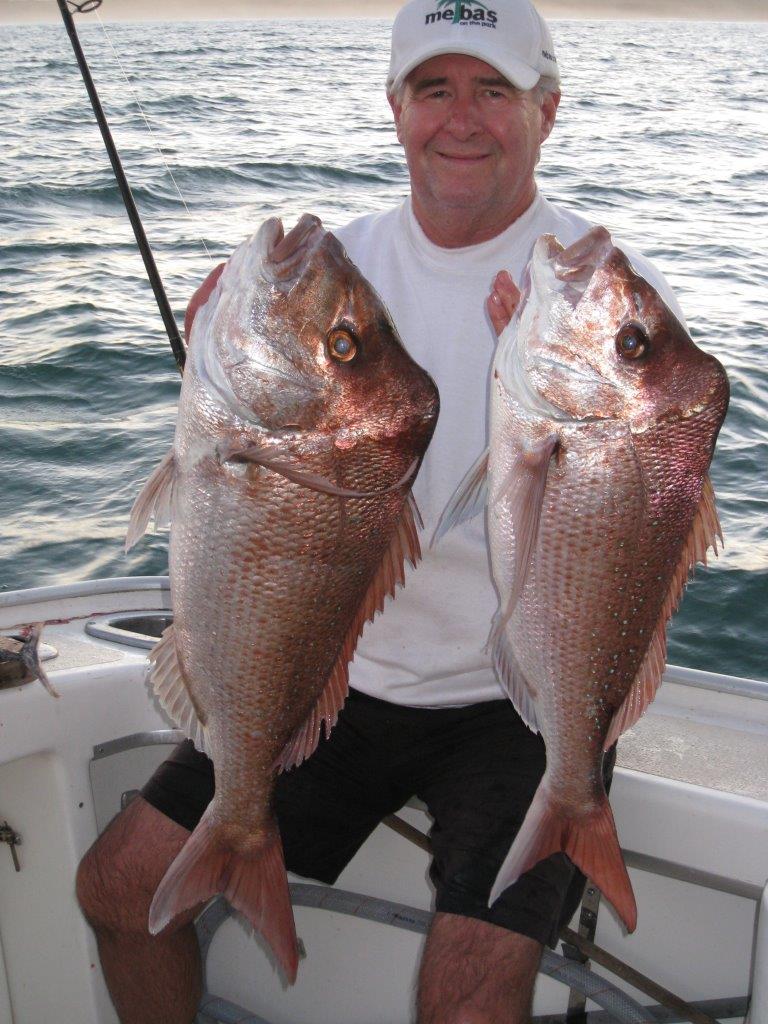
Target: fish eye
{"x":342,"y":346}
{"x":632,"y":342}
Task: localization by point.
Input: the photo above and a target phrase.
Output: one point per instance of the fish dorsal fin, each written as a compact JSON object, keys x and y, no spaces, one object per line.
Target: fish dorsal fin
{"x":510,"y":675}
{"x":704,"y":534}
{"x":153,"y":500}
{"x":523,"y":488}
{"x":166,"y":676}
{"x":467,"y":501}
{"x":403,"y":547}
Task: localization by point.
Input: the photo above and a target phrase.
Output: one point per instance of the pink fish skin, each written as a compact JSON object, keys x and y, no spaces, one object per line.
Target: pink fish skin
{"x":604,"y":416}
{"x":302,"y":422}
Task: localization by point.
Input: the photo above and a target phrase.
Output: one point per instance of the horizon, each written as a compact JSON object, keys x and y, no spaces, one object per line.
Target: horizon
{"x":22,"y":12}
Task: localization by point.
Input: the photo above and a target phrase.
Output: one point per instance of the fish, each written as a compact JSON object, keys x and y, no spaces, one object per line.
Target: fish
{"x":595,"y":485}
{"x":20,"y":659}
{"x":302,"y":422}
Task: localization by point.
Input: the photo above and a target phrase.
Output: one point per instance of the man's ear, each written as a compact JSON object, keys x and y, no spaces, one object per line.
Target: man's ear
{"x":397,"y":109}
{"x":549,"y":105}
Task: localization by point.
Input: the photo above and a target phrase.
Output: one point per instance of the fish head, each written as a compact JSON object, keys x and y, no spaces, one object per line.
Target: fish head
{"x":304,"y":342}
{"x":595,"y":340}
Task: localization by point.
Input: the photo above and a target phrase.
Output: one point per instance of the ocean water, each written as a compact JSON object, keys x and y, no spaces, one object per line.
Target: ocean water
{"x":660,"y":136}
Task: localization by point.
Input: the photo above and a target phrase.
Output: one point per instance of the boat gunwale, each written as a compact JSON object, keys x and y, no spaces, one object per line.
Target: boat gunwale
{"x":681,"y":675}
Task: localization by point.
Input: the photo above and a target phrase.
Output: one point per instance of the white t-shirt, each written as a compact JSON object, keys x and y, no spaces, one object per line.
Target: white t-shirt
{"x":426,"y":649}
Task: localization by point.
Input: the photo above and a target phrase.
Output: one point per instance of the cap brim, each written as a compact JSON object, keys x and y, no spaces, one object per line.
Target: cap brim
{"x":517,"y":72}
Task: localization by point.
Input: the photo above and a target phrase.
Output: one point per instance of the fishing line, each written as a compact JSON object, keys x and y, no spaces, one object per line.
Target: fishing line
{"x":150,"y":129}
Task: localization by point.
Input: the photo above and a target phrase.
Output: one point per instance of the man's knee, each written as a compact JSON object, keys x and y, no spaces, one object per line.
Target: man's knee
{"x":118,"y":876}
{"x":474,"y":972}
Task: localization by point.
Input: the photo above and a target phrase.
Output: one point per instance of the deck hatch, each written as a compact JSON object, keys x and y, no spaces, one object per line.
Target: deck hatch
{"x":133,"y":629}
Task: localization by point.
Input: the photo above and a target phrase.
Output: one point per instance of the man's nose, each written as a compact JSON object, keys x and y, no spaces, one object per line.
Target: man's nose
{"x":464,"y":119}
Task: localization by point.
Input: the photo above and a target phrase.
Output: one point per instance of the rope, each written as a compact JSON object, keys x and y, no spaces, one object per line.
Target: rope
{"x":97,"y":3}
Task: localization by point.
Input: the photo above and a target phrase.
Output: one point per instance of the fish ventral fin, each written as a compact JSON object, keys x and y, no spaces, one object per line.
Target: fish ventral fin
{"x":166,"y":676}
{"x":591,"y":843}
{"x":511,"y":676}
{"x":391,"y":572}
{"x":154,"y":500}
{"x":704,"y":534}
{"x":253,"y":883}
{"x":467,"y":501}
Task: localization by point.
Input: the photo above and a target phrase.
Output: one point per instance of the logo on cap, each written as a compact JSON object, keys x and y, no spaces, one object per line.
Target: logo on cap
{"x":462,"y":12}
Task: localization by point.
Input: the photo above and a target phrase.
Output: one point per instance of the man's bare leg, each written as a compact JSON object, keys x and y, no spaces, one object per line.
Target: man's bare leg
{"x":152,"y":979}
{"x":476,"y":973}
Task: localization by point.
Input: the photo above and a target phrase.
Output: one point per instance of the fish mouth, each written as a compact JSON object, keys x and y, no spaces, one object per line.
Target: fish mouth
{"x":286,"y":256}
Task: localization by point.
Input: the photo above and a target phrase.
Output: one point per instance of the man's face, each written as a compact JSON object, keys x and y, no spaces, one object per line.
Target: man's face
{"x":471,"y":140}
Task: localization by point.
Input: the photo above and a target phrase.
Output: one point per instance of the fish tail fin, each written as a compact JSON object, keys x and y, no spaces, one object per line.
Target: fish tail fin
{"x":31,"y":656}
{"x":590,"y":841}
{"x":254,"y":883}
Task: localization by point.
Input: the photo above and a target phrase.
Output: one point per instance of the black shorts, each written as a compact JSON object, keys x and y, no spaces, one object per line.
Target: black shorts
{"x":476,"y":768}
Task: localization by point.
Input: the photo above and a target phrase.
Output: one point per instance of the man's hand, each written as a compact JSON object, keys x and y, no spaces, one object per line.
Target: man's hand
{"x":200,"y":298}
{"x":503,"y":301}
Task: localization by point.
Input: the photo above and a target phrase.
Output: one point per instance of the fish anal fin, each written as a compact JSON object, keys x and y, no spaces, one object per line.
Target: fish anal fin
{"x":522,"y":489}
{"x":403,"y":547}
{"x":704,"y":534}
{"x":254,"y":883}
{"x":153,"y":500}
{"x":510,"y":675}
{"x":169,"y":684}
{"x":644,"y":688}
{"x":467,"y":501}
{"x":590,"y":841}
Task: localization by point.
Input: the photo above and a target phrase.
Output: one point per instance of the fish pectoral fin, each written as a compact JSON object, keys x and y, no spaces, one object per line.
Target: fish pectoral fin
{"x":467,"y":501}
{"x":704,"y":534}
{"x":281,"y":461}
{"x":511,"y":676}
{"x":403,"y":547}
{"x":153,"y":500}
{"x":166,"y":677}
{"x":590,"y":841}
{"x":523,"y":489}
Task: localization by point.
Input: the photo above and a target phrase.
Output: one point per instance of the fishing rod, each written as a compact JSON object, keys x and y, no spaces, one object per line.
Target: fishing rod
{"x":172,"y":330}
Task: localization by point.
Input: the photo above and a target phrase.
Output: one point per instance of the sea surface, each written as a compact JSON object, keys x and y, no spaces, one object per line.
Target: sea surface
{"x":661,"y":136}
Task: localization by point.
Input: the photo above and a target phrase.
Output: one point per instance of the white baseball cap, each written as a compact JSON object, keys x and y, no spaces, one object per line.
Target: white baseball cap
{"x":510,"y":35}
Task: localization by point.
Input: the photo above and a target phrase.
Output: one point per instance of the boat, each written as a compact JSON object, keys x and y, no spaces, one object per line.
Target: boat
{"x":690,"y":796}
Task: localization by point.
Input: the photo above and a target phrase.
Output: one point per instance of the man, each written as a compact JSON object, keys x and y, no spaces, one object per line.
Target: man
{"x":474,"y":93}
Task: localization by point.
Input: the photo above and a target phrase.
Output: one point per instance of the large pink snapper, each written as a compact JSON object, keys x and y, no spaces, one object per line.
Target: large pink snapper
{"x":302,"y":421}
{"x":604,"y":416}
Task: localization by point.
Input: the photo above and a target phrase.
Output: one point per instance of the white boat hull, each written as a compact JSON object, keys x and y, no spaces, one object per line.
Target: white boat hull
{"x":691,"y":790}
